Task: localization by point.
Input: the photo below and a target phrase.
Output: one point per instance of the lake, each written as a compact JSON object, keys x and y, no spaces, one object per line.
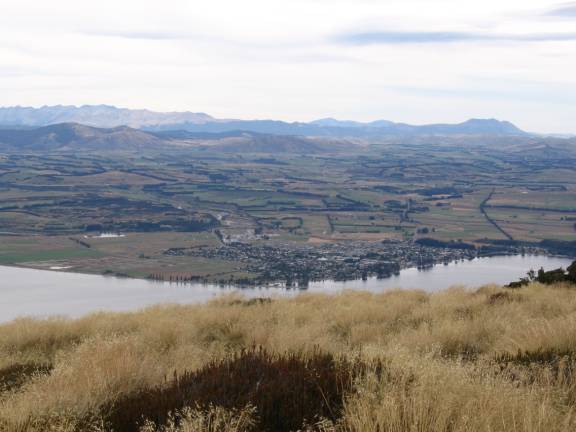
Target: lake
{"x":41,"y":293}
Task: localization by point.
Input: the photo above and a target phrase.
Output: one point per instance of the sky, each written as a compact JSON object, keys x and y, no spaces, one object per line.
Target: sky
{"x":414,"y":61}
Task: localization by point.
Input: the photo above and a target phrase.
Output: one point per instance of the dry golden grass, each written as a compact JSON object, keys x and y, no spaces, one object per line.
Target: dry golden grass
{"x":452,"y":360}
{"x":214,"y":419}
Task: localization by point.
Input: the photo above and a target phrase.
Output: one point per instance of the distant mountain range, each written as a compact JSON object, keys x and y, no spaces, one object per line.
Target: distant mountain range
{"x":105,"y":116}
{"x":369,"y":130}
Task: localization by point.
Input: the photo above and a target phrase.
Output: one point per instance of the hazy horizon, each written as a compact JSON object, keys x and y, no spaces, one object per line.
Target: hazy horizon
{"x":233,"y":118}
{"x":409,"y":61}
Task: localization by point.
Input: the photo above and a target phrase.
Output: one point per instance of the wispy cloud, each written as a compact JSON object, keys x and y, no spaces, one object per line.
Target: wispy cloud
{"x":208,"y":38}
{"x":563,"y":10}
{"x":425,"y":37}
{"x":146,"y":35}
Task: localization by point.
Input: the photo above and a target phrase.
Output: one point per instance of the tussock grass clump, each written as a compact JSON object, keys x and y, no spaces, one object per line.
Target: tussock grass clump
{"x":459,"y":360}
{"x":540,"y":357}
{"x":211,"y":419}
{"x":441,"y":396}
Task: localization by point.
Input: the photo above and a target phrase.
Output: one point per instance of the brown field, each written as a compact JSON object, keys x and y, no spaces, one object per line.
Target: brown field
{"x":533,"y":225}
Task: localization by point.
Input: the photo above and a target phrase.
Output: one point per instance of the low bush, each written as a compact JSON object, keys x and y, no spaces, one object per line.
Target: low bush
{"x":286,"y":390}
{"x":548,"y":277}
{"x":14,"y":376}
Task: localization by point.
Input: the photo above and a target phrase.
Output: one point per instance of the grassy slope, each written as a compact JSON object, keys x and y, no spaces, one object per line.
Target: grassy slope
{"x":452,"y":359}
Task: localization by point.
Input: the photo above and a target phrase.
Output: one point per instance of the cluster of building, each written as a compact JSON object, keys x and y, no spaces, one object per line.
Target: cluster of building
{"x":295,"y":264}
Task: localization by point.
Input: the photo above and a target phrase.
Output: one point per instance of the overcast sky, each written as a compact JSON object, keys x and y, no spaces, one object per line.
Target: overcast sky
{"x":417,"y":61}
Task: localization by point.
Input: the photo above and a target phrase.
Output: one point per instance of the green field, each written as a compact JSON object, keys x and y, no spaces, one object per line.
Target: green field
{"x":180,"y":199}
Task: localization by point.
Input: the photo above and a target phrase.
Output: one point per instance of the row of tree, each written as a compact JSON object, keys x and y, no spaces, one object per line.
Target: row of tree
{"x":548,"y":277}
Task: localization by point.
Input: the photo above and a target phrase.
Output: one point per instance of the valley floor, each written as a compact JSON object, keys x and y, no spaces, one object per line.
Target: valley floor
{"x":493,"y":359}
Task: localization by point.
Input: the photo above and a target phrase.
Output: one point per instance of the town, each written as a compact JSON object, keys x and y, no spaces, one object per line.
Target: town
{"x":296,"y":266}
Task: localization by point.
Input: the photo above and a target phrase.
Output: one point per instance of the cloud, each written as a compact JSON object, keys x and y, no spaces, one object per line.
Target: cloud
{"x":499,"y":90}
{"x":10,"y":71}
{"x":424,"y":37}
{"x":146,"y":35}
{"x":394,"y":37}
{"x":563,"y":10}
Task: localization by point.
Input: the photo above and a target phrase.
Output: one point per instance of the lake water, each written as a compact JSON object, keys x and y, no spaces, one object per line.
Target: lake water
{"x":41,"y":293}
{"x":105,"y":235}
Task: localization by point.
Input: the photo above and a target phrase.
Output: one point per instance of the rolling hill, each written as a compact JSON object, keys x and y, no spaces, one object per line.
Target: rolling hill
{"x":77,"y":137}
{"x":73,"y":136}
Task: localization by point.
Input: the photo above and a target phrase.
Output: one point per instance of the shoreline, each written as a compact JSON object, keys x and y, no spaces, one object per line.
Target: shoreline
{"x":280,"y":284}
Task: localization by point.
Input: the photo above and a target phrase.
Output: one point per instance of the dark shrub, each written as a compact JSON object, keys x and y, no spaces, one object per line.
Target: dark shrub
{"x":551,"y":277}
{"x":521,"y":283}
{"x":572,"y":272}
{"x":548,"y":277}
{"x":15,"y":376}
{"x":286,"y":390}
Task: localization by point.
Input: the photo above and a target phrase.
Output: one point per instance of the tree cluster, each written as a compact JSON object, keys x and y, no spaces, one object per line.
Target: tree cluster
{"x":548,"y":277}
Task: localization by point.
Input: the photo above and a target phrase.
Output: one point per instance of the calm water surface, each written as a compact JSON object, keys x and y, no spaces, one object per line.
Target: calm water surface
{"x":26,"y":292}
